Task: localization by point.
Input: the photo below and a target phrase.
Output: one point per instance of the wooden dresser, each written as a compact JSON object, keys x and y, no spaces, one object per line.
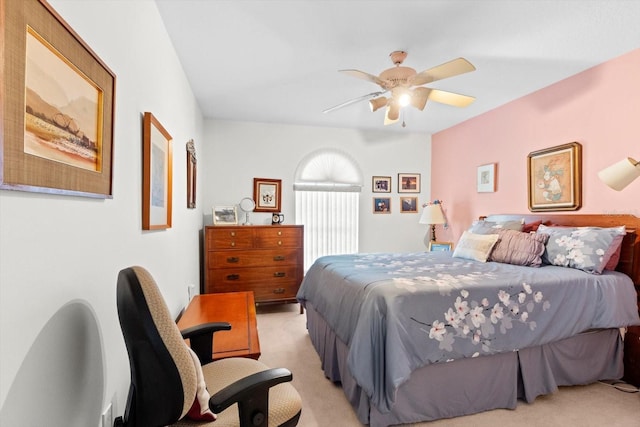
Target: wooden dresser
{"x":265,"y":259}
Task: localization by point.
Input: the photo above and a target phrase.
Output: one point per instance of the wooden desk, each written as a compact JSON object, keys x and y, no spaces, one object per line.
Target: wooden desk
{"x":237,"y":308}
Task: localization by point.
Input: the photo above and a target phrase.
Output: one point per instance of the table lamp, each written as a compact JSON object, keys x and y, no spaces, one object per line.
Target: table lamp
{"x":432,"y":214}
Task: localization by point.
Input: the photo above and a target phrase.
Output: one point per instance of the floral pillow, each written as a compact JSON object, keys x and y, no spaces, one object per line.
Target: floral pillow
{"x":583,"y":248}
{"x":490,"y":227}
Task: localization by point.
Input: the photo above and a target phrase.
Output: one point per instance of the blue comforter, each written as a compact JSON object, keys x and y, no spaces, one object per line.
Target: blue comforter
{"x":398,"y":312}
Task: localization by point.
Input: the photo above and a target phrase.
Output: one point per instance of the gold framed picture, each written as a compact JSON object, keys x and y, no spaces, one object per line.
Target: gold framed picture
{"x":382,"y":205}
{"x":156,"y":175}
{"x":554,"y":178}
{"x":439,"y":246}
{"x":192,"y":166}
{"x":58,"y":104}
{"x":408,"y":183}
{"x":408,"y":205}
{"x":381,"y":184}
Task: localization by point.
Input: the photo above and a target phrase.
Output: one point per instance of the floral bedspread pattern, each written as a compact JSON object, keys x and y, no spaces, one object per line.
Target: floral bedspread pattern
{"x":398,"y":312}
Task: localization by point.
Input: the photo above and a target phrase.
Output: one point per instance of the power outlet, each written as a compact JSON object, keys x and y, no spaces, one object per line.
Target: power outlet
{"x":191,"y":289}
{"x":107,"y":416}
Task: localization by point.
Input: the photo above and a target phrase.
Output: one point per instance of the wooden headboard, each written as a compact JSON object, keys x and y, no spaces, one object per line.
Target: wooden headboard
{"x":630,"y":253}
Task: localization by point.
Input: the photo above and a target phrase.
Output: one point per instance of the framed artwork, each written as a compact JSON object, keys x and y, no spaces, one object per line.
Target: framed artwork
{"x":156,"y":175}
{"x":439,"y":246}
{"x":408,"y":183}
{"x":486,"y":181}
{"x":555,"y":178}
{"x":58,"y":106}
{"x":225,"y":215}
{"x":191,"y":174}
{"x":381,"y":205}
{"x":408,"y":205}
{"x":381,"y":184}
{"x":267,"y":194}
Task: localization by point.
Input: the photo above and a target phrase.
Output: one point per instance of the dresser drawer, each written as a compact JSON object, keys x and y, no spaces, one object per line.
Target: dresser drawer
{"x":263,"y":292}
{"x":286,"y":273}
{"x":229,"y":238}
{"x":255,"y":258}
{"x":279,"y":237}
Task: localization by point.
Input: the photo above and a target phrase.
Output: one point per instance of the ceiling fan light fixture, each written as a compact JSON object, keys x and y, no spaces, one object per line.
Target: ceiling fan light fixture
{"x":377,"y":103}
{"x":393,"y":112}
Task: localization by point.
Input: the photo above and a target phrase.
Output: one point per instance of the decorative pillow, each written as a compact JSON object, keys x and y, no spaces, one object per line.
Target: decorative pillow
{"x":529,"y":227}
{"x":583,"y":248}
{"x":519,"y":248}
{"x":490,"y":227}
{"x":475,"y":246}
{"x":616,"y":247}
{"x":200,"y":409}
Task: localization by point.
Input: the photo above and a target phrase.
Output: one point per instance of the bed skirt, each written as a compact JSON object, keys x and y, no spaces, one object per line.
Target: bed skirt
{"x":469,"y":386}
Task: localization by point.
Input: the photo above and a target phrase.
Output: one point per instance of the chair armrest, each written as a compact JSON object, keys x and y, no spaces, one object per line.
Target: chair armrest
{"x":201,"y":338}
{"x":252,"y":395}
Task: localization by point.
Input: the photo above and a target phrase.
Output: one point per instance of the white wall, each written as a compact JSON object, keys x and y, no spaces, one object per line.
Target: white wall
{"x":59,"y":255}
{"x":237,"y":152}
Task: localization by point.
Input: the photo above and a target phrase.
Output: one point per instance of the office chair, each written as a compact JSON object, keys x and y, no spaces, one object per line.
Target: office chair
{"x":165,"y":376}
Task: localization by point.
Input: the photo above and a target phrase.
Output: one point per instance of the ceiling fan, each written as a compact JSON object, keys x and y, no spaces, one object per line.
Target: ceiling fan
{"x":406,"y":86}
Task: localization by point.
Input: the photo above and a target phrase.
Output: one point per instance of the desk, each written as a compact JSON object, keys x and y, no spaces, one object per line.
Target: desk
{"x":237,"y":308}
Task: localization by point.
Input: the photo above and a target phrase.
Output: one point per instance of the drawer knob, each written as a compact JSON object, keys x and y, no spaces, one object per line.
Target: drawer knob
{"x":279,"y":242}
{"x":278,"y":291}
{"x":278,"y":258}
{"x":233,"y":276}
{"x":233,"y":244}
{"x":279,"y":233}
{"x":233,"y":259}
{"x":279,"y":274}
{"x":233,"y":234}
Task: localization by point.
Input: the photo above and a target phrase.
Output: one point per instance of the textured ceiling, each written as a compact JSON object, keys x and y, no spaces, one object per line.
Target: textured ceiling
{"x":276,"y":61}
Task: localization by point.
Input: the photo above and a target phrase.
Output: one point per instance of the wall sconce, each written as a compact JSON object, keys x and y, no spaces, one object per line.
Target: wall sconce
{"x":432,"y":214}
{"x":621,"y":174}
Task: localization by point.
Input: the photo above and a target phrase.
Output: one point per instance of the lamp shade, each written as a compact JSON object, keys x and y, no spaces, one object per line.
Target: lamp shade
{"x":621,"y":174}
{"x":432,"y":214}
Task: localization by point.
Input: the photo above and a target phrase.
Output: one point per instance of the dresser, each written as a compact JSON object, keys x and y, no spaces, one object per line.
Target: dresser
{"x":265,"y":259}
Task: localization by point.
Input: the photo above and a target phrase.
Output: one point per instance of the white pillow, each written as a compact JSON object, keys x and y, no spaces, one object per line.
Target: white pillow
{"x":475,"y":246}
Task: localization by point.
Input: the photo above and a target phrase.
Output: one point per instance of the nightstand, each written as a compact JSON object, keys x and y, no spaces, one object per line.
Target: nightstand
{"x":632,"y":356}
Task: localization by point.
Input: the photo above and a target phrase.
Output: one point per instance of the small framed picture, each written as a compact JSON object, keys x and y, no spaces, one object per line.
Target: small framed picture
{"x":381,"y":184}
{"x":408,"y":205}
{"x":408,"y":183}
{"x":439,"y":246}
{"x":267,"y":194}
{"x":381,"y":205}
{"x":225,"y":215}
{"x":487,"y":178}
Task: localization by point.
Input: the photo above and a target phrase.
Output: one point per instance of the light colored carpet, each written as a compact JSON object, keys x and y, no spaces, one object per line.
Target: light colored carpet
{"x":284,"y":342}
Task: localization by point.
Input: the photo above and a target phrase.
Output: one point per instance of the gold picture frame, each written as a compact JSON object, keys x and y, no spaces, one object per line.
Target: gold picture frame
{"x":192,"y":166}
{"x":408,"y":183}
{"x":381,"y":184}
{"x":439,"y":246}
{"x":157,"y":175}
{"x":409,"y":204}
{"x":382,"y":205}
{"x":554,"y":178}
{"x":48,"y":143}
{"x":267,"y":194}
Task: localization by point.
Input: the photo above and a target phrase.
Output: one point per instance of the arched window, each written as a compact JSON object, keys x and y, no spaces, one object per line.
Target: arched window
{"x":327,"y":188}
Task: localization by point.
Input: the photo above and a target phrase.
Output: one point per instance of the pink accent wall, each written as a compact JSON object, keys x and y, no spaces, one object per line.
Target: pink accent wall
{"x":599,"y":108}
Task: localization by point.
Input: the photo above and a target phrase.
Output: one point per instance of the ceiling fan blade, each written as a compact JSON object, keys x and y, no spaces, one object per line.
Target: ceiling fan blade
{"x":354,"y":100}
{"x":362,"y":75}
{"x":450,"y":98}
{"x":448,"y":69}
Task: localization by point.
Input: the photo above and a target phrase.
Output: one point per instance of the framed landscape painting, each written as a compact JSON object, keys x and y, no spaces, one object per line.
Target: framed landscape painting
{"x":57,"y":121}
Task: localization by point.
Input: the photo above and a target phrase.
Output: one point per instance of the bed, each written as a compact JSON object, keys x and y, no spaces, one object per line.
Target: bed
{"x":423,"y":336}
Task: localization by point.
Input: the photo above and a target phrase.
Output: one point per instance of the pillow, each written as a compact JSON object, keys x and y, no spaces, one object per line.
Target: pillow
{"x":584,"y":248}
{"x":200,"y":409}
{"x":615,"y":255}
{"x":489,"y":227}
{"x":529,"y":227}
{"x":519,"y":248}
{"x":475,"y":246}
